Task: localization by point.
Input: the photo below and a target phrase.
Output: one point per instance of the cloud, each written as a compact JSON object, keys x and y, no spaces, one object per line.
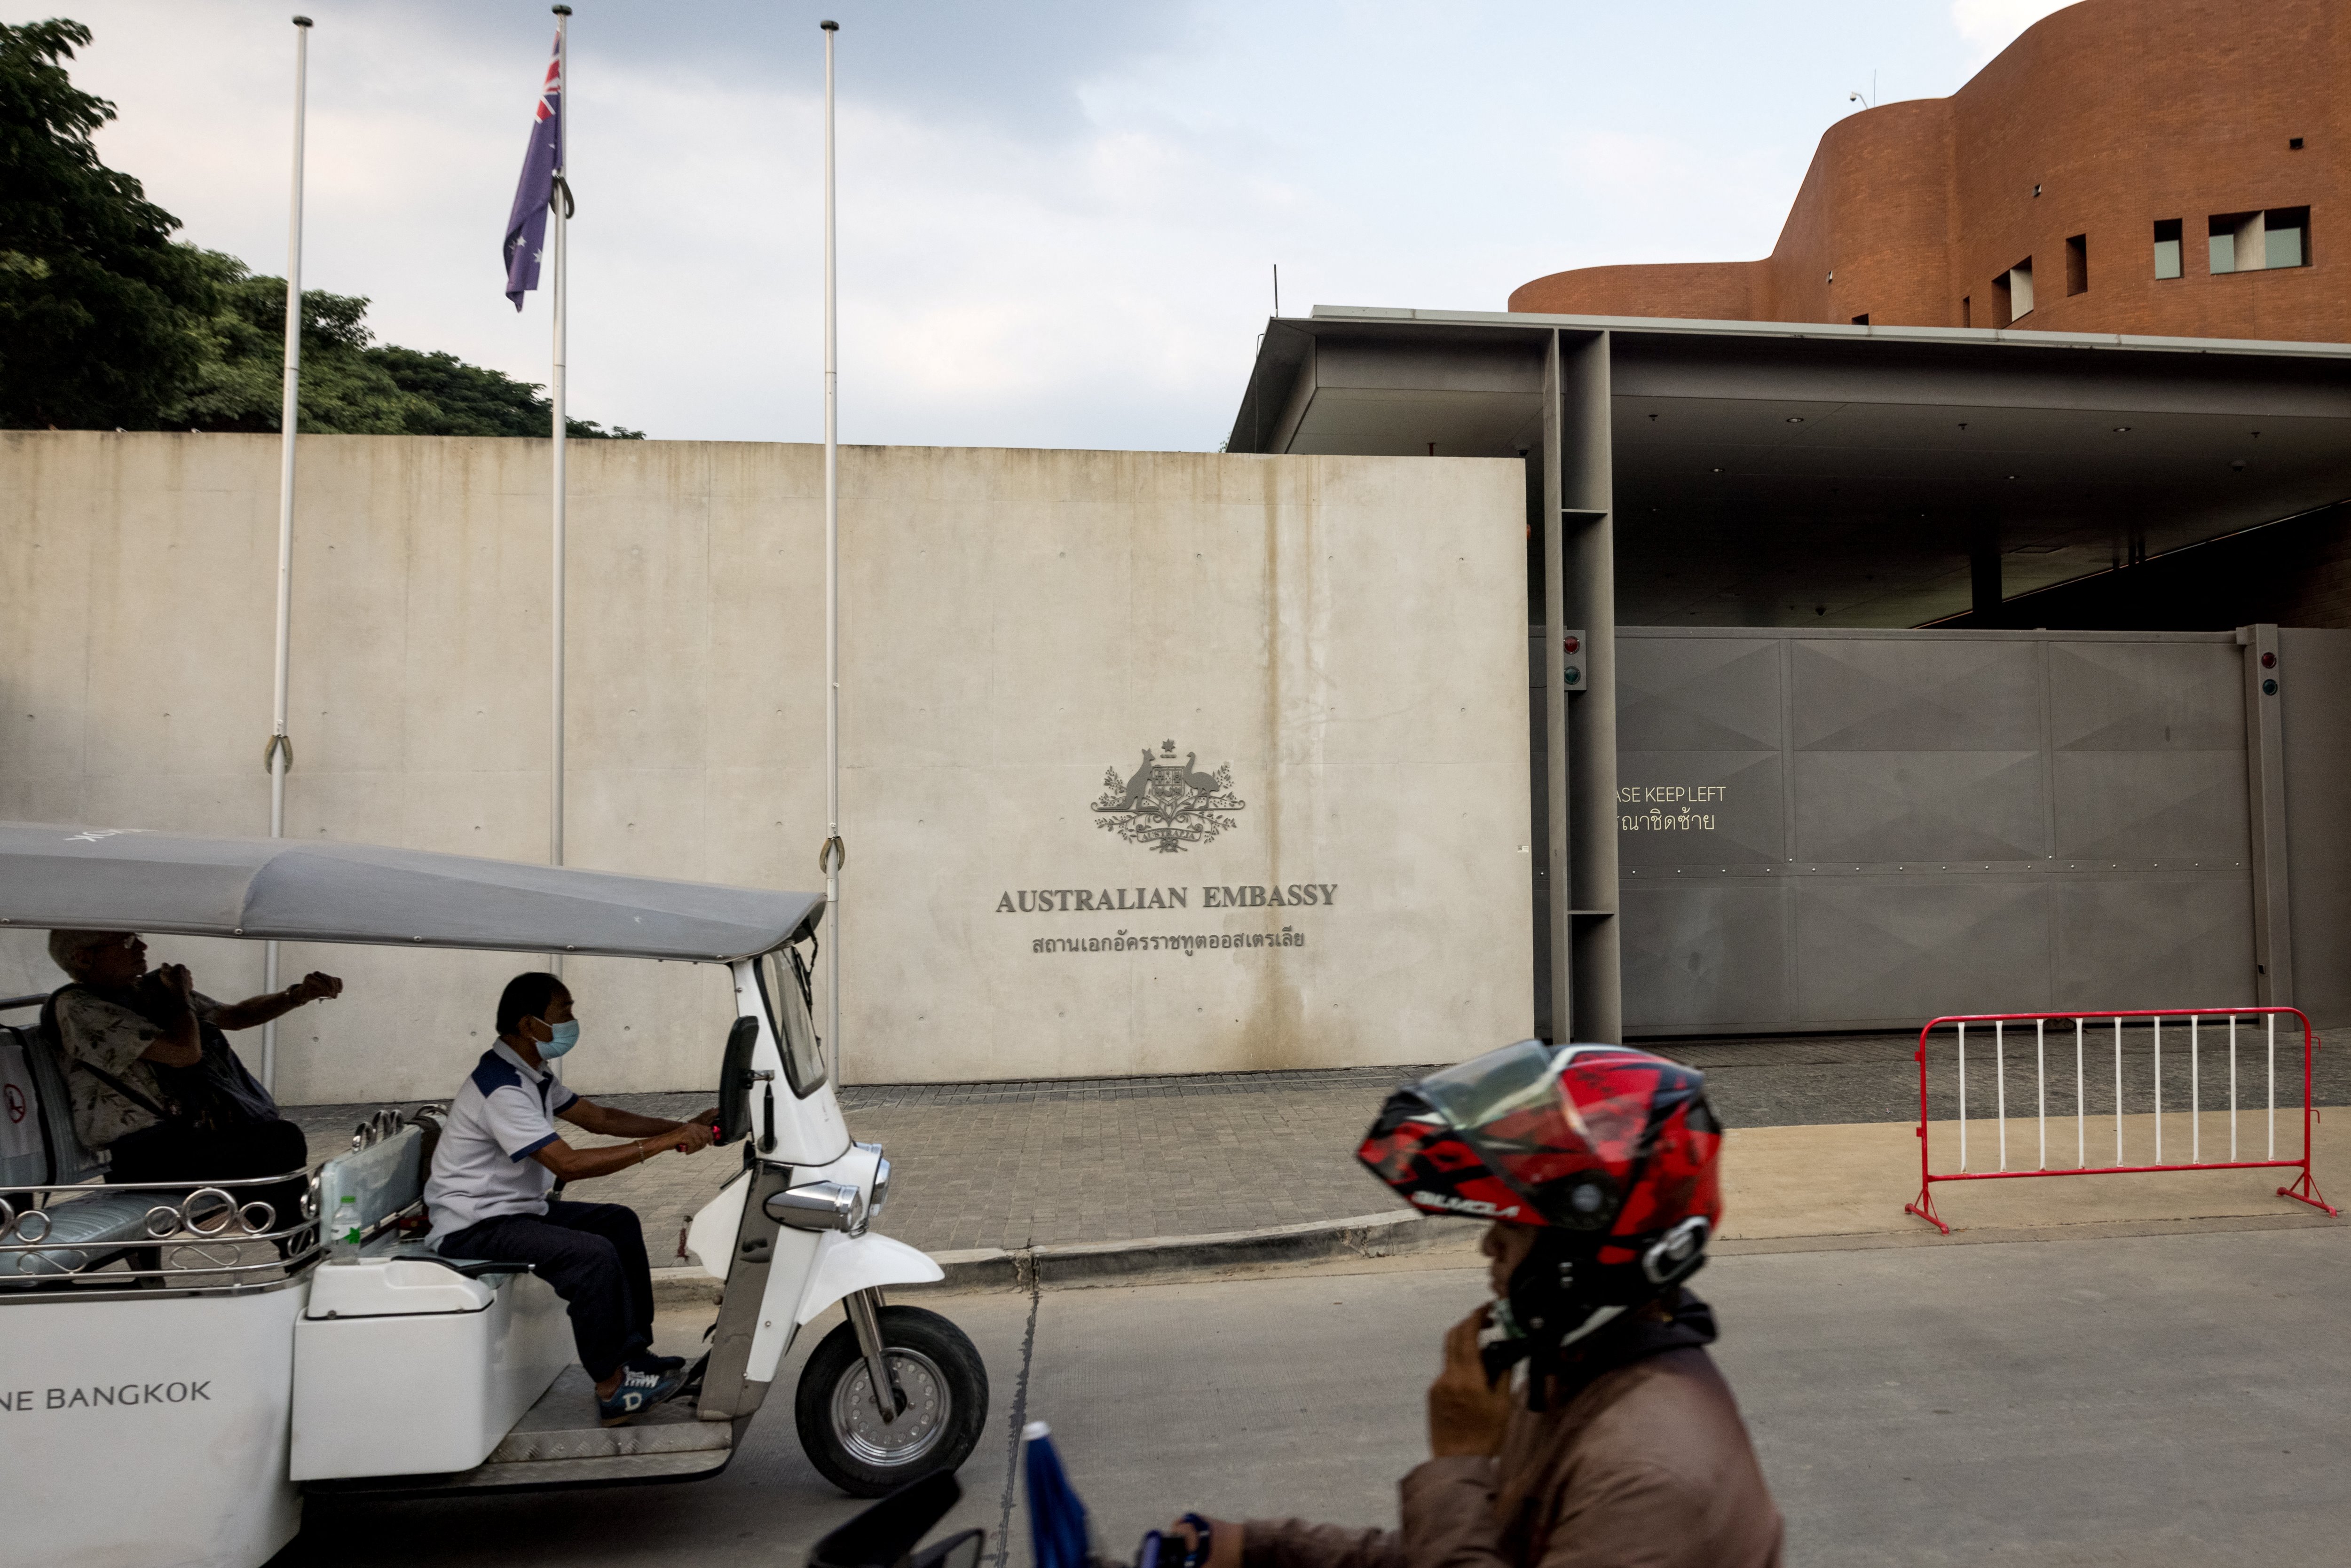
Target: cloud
{"x":1058,"y":218}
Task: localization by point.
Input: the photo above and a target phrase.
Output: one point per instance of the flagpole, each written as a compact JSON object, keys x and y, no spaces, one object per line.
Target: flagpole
{"x":558,"y":199}
{"x":281,"y":748}
{"x":835,"y":854}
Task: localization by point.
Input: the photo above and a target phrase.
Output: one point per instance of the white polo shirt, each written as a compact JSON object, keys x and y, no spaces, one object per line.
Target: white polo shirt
{"x":483,"y":1169}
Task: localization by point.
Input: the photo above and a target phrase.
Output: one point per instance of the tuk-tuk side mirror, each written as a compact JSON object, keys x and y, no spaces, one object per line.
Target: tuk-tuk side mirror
{"x":883,"y":1536}
{"x":955,"y":1552}
{"x":735,"y":1081}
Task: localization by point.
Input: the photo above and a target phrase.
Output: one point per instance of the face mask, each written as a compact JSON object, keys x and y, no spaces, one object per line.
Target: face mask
{"x":567,"y":1035}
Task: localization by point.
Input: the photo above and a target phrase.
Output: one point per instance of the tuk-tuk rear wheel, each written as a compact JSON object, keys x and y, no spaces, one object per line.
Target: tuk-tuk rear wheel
{"x":945,"y":1382}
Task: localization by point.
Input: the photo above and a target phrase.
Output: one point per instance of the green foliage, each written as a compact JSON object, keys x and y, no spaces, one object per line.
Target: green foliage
{"x":350,"y":386}
{"x":107,"y":322}
{"x":98,"y":308}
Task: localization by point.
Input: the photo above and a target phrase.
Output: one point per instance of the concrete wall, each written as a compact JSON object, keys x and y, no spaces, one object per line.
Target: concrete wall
{"x":1344,"y":635}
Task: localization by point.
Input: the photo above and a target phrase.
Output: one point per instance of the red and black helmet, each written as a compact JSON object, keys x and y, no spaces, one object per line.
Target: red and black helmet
{"x":1614,"y":1146}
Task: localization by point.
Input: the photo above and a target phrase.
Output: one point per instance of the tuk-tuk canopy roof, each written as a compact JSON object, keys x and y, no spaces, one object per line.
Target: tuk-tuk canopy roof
{"x":128,"y":879}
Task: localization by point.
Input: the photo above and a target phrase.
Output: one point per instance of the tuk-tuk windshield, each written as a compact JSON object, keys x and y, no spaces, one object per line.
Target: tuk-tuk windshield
{"x":785,"y":979}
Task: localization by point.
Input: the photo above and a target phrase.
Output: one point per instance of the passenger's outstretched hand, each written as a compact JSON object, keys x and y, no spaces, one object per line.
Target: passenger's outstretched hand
{"x":1466,"y":1412}
{"x":316,"y":987}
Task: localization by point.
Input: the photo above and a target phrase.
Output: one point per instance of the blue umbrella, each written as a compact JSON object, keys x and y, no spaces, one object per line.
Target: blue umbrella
{"x":1057,"y":1520}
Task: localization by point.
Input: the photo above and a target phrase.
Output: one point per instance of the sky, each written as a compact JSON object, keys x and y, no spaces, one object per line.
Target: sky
{"x":1058,"y":220}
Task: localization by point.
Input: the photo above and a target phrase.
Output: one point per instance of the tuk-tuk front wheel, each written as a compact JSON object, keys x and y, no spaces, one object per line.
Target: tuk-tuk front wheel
{"x":944,"y":1385}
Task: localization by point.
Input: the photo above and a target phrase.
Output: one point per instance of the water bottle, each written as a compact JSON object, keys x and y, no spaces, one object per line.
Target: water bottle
{"x":343,"y":1239}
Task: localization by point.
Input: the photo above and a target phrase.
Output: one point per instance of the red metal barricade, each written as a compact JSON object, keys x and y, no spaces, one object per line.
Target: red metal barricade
{"x":2080,"y":1025}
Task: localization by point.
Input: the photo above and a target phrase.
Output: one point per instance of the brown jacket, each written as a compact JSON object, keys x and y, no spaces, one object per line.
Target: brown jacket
{"x":1648,"y":1467}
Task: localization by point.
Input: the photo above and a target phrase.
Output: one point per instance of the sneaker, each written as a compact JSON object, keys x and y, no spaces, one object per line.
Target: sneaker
{"x":638,"y":1393}
{"x":646,"y":1361}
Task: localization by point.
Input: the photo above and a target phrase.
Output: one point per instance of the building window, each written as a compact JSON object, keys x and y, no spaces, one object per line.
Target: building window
{"x":1967,"y":310}
{"x":2288,"y":236}
{"x":1862,"y":319}
{"x":2258,"y":242}
{"x":2011,"y":294}
{"x":2166,"y":248}
{"x":2225,"y":230}
{"x":2294,"y":143}
{"x":2077,"y":265}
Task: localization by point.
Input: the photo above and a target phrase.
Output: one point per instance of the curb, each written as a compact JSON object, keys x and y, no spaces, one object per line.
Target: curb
{"x":1366,"y":1235}
{"x":1387,"y":1235}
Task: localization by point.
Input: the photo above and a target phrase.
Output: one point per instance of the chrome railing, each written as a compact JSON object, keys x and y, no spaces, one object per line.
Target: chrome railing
{"x":203,"y":1236}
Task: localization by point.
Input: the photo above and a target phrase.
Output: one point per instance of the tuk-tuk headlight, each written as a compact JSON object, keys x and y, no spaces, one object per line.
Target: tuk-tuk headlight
{"x":819,"y":1205}
{"x":881,"y":1181}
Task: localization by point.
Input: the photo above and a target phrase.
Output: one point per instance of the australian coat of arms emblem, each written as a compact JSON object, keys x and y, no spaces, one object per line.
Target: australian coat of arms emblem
{"x":1167,"y":803}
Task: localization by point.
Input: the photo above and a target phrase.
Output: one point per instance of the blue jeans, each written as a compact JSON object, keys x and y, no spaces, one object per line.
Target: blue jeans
{"x":594,"y":1256}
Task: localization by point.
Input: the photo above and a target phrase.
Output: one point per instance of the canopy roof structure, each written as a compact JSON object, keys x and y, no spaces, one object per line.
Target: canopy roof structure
{"x":128,"y":879}
{"x":1770,"y":473}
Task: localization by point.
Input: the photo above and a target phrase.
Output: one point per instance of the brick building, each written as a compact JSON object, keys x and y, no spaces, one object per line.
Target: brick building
{"x":2164,"y":168}
{"x":2156,"y":169}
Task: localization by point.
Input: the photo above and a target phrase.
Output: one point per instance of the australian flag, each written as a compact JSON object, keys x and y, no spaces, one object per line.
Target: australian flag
{"x":527,"y":224}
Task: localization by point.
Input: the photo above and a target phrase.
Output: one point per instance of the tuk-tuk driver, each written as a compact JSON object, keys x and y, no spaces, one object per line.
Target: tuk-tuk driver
{"x":501,"y":1153}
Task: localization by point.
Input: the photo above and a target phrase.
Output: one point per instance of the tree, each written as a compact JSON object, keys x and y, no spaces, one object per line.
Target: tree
{"x":350,"y":386}
{"x":238,"y":382}
{"x":98,"y":308}
{"x":106,"y":321}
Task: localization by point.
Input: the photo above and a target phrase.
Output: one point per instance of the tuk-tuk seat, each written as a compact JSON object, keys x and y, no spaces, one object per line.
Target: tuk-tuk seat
{"x":93,"y":1228}
{"x":394,"y":1274}
{"x":387,"y":1179}
{"x":41,"y":1154}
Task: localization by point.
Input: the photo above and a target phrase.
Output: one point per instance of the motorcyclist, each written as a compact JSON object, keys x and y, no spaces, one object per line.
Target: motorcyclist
{"x":1594,"y":1431}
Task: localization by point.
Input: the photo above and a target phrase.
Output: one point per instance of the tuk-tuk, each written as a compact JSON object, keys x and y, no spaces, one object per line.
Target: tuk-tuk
{"x":181,"y":1363}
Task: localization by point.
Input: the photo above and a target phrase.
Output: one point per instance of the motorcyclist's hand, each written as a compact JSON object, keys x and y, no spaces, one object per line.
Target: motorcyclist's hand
{"x":706,"y":1119}
{"x":689,"y":1138}
{"x":1223,"y":1546}
{"x":1466,"y":1412}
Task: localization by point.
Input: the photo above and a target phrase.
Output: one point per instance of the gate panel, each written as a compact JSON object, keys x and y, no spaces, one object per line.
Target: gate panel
{"x":1873,"y":951}
{"x":1963,"y":819}
{"x":2183,"y":935}
{"x":2151,"y":809}
{"x":1935,"y":695}
{"x":1711,"y":955}
{"x":1899,"y":808}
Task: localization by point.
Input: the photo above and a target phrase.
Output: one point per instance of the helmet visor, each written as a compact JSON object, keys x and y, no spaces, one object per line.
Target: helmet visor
{"x":1517,"y":1077}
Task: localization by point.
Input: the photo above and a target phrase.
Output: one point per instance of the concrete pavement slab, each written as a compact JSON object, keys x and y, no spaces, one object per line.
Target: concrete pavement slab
{"x":2148,"y":1400}
{"x":1050,"y":1163}
{"x":1855,"y":1179}
{"x":2152,"y":1400}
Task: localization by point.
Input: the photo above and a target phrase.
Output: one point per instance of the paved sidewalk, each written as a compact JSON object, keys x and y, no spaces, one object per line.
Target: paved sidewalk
{"x":1022,"y":1164}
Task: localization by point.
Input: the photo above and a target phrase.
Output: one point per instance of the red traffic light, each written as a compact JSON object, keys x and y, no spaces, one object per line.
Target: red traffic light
{"x":1570,"y":645}
{"x":2269,"y":661}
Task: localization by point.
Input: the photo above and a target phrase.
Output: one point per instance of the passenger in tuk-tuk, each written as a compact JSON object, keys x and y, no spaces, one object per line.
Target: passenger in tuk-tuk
{"x":499,"y":1155}
{"x":154,"y":1079}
